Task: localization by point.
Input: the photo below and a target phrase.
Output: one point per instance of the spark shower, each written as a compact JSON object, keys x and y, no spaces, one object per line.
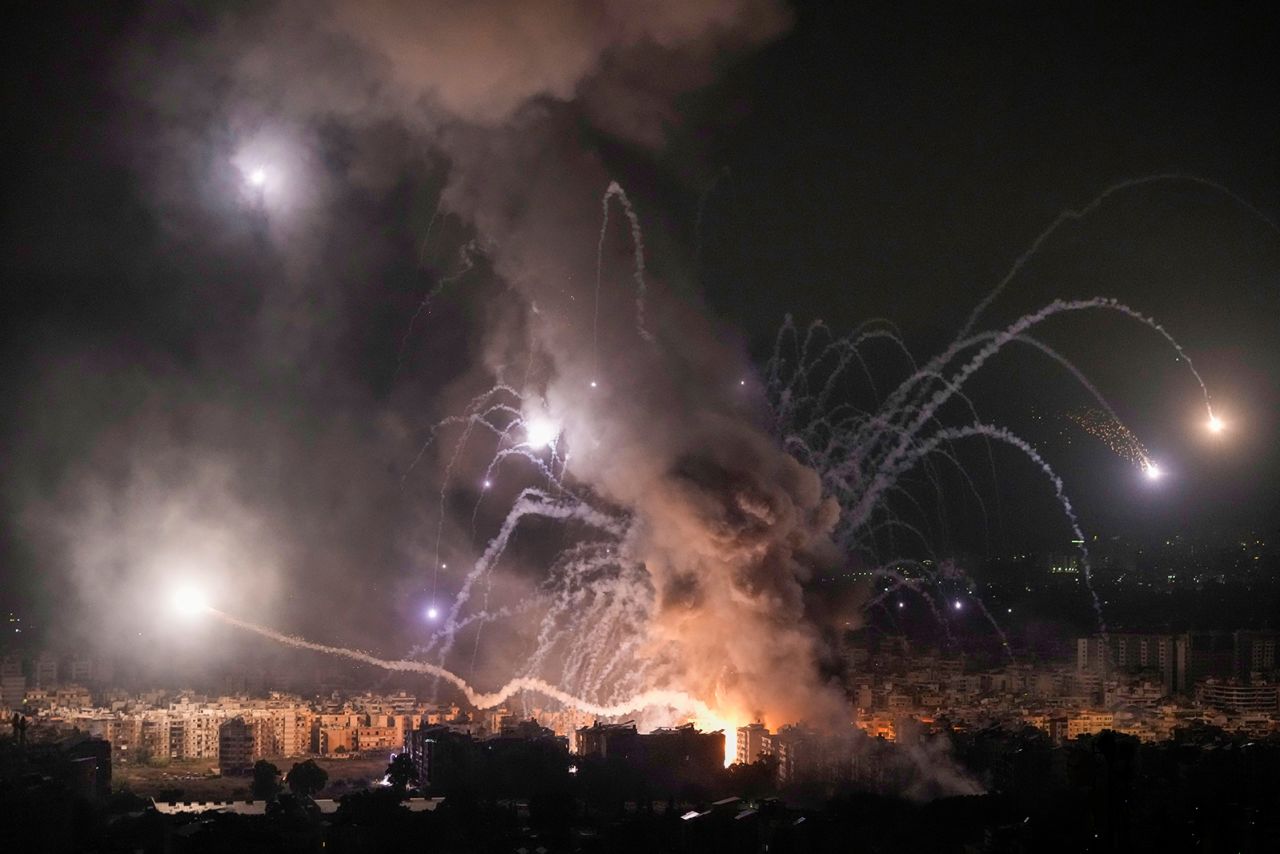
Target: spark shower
{"x":681,"y":597}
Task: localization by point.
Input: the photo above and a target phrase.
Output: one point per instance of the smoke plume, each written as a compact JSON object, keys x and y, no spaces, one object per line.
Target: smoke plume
{"x":316,"y":110}
{"x":728,"y":527}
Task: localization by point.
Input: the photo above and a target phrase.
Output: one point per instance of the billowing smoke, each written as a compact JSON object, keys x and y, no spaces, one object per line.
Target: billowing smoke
{"x":508,"y":100}
{"x":732,"y":530}
{"x":727,"y":526}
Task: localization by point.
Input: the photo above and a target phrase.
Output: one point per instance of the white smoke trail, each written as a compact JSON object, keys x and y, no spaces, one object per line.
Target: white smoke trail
{"x":1077,"y":214}
{"x":654,"y":698}
{"x":637,"y":242}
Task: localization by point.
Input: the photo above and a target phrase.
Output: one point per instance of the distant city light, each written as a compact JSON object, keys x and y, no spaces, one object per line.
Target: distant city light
{"x":902,"y":604}
{"x":958,"y":605}
{"x":593,"y":383}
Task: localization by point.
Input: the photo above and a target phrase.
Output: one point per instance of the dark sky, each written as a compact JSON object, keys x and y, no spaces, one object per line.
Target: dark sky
{"x":885,"y":162}
{"x":895,"y":162}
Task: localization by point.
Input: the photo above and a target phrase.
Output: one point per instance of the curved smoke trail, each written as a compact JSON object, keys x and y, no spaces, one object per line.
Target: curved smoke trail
{"x":654,"y":698}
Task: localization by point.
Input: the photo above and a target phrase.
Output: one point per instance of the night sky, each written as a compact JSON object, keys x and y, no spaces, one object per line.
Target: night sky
{"x":161,"y":334}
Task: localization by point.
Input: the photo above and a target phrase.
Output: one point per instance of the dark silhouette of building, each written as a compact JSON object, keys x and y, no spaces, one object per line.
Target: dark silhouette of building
{"x":682,"y":756}
{"x":235,"y":747}
{"x":1255,"y":655}
{"x":440,"y":754}
{"x":608,"y":740}
{"x":1204,"y":655}
{"x":522,"y":759}
{"x":98,"y":752}
{"x":666,"y":758}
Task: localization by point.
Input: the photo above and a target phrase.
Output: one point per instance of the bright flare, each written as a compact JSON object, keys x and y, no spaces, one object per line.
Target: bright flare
{"x":540,"y":432}
{"x":1215,"y":424}
{"x":258,"y":177}
{"x":188,"y":601}
{"x":433,"y":613}
{"x":1152,"y":471}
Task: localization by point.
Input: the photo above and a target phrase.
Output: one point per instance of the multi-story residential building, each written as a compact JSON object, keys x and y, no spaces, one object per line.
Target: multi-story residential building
{"x":878,"y":726}
{"x":750,"y":744}
{"x":13,"y":683}
{"x":292,"y":730}
{"x":796,"y":752}
{"x":335,"y":739}
{"x":1118,"y":692}
{"x":72,"y":697}
{"x":1255,"y":655}
{"x":368,"y":737}
{"x":235,"y":746}
{"x":1089,"y":722}
{"x":81,"y":670}
{"x":45,"y":671}
{"x":1203,"y":655}
{"x":900,"y":702}
{"x":1130,"y":653}
{"x":1231,"y":696}
{"x":605,"y":740}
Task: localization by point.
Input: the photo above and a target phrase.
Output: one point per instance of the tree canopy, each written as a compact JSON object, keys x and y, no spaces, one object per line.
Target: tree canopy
{"x":306,"y":778}
{"x":266,"y":780}
{"x":401,"y":772}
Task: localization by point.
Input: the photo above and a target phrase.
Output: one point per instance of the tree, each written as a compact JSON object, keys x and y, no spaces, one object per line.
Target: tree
{"x":755,"y":780}
{"x":266,"y":780}
{"x":401,"y":772}
{"x":306,"y":778}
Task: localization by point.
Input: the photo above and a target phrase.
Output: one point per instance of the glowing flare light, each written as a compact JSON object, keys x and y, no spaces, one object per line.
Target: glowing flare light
{"x":540,"y":432}
{"x":188,"y":601}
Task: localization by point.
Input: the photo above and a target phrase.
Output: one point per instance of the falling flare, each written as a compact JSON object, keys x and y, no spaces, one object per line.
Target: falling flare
{"x":189,"y":601}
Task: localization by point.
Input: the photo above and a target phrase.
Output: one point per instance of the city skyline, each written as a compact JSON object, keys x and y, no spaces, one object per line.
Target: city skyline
{"x":844,"y":382}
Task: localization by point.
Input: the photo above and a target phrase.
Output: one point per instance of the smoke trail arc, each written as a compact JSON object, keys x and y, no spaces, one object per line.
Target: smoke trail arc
{"x":638,"y":273}
{"x":654,"y":698}
{"x":1077,"y":214}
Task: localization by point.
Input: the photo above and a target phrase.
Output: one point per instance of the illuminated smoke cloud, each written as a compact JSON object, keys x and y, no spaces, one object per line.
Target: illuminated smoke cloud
{"x":728,"y":527}
{"x":731,"y":533}
{"x":645,"y":391}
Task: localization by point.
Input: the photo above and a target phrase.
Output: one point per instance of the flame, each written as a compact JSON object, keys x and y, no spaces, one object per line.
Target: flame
{"x":713,"y":722}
